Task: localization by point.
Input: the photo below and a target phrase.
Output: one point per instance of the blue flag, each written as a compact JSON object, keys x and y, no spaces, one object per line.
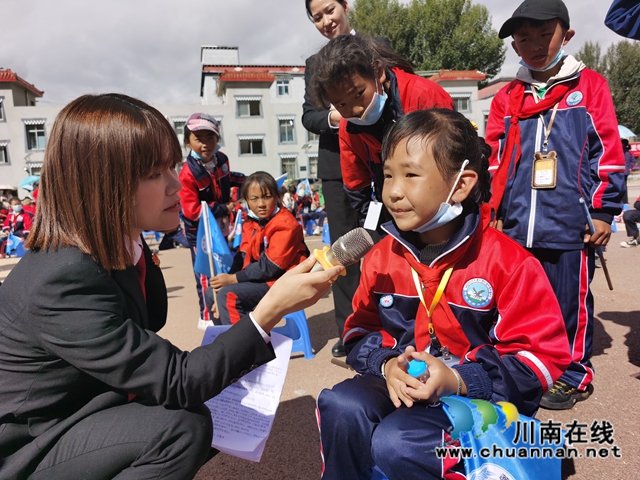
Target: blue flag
{"x":304,"y":189}
{"x":281,"y":179}
{"x":210,"y":239}
{"x":14,"y":245}
{"x":237,"y":230}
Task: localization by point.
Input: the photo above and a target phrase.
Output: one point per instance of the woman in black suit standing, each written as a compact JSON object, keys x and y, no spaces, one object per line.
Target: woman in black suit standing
{"x":87,"y":388}
{"x":331,"y":20}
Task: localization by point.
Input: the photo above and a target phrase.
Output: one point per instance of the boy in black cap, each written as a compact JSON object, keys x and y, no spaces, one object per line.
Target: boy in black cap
{"x":554,"y":136}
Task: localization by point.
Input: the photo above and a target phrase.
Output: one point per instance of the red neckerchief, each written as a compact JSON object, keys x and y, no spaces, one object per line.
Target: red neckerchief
{"x":518,"y":112}
{"x":446,"y":325}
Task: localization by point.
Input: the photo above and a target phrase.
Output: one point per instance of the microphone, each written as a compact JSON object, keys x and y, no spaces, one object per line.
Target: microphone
{"x":346,"y":250}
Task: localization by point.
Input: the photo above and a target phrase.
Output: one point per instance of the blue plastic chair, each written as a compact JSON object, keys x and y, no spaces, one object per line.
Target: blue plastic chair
{"x":297,"y":329}
{"x":310,"y":227}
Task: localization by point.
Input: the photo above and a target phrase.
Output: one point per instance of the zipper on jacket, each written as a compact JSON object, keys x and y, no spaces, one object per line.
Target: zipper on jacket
{"x":534,"y":193}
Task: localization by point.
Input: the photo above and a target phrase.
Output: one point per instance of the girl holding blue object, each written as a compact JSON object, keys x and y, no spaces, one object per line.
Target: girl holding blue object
{"x":434,"y":290}
{"x":272,"y":243}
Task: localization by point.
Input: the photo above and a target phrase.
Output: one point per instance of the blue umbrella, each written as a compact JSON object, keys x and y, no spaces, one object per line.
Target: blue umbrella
{"x":625,"y":132}
{"x":30,"y":180}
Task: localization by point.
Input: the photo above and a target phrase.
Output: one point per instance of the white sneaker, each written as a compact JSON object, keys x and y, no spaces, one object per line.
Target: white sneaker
{"x":317,"y":231}
{"x":633,"y":242}
{"x":204,"y":324}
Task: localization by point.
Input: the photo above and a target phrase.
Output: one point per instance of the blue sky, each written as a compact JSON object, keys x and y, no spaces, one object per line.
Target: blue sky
{"x":150,"y":48}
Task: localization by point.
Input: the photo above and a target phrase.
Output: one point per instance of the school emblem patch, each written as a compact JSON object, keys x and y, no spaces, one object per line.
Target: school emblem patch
{"x":386,"y":301}
{"x":574,"y":99}
{"x":477,"y":292}
{"x":225,"y":168}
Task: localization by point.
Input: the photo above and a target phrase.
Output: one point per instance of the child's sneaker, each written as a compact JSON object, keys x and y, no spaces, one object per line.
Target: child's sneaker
{"x":563,"y":397}
{"x":204,"y":324}
{"x":317,"y":231}
{"x":631,"y":243}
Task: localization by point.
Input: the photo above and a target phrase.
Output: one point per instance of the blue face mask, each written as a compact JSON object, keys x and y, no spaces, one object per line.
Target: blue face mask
{"x":446,"y":212}
{"x":16,"y":208}
{"x":373,"y":112}
{"x":548,"y":67}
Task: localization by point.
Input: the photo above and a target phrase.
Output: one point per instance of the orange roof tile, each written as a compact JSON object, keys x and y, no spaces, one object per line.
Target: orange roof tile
{"x":263,"y":76}
{"x":444,"y":75}
{"x":11,"y":77}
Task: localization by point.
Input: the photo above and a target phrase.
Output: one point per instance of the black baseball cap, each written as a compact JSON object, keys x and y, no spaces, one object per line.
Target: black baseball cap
{"x":535,"y":10}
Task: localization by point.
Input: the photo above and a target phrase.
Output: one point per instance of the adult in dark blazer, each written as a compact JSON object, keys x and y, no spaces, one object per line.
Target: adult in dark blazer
{"x":87,"y":388}
{"x":330,"y":18}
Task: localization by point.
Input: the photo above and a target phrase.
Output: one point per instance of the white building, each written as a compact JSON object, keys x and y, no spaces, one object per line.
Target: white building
{"x":259,"y":108}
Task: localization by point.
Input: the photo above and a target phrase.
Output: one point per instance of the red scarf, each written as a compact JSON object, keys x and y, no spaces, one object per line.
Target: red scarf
{"x":446,"y":325}
{"x":518,"y":112}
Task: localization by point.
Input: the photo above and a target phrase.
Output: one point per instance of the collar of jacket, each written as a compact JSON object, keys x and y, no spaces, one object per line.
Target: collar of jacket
{"x":471,"y":217}
{"x":392,"y":110}
{"x":198,"y":170}
{"x":570,"y":70}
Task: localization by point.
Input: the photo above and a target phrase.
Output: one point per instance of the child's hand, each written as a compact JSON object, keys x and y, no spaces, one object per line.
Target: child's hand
{"x":441,"y":382}
{"x":214,"y":311}
{"x":221,"y":280}
{"x":395,"y":371}
{"x":601,"y":236}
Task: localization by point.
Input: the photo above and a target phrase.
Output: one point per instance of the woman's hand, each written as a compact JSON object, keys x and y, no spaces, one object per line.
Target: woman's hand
{"x":222,"y":280}
{"x":295,"y":290}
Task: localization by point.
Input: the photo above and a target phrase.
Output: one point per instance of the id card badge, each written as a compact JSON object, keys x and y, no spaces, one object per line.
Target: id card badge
{"x":373,"y":215}
{"x":545,"y":167}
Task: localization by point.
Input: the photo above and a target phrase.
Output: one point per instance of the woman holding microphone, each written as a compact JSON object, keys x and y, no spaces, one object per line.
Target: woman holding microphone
{"x":87,"y":388}
{"x":330,"y":17}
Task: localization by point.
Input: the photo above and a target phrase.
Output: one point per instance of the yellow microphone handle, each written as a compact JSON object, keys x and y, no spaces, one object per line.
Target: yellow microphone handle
{"x":325,"y":257}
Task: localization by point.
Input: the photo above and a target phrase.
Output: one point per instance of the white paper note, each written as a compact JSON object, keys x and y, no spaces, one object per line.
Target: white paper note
{"x":243,"y":413}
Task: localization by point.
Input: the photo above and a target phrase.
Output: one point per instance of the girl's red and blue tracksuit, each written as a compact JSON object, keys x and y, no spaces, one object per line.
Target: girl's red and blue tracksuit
{"x":198,"y":185}
{"x":360,"y":146}
{"x":498,"y":313}
{"x":269,"y":248}
{"x":18,"y":224}
{"x":551,"y":222}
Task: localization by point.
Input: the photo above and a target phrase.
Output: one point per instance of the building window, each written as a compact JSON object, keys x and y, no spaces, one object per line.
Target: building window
{"x":248,"y":106}
{"x":35,"y":134}
{"x":251,"y":144}
{"x":178,"y":126}
{"x":221,"y":139}
{"x":286,"y":130}
{"x":313,"y":165}
{"x":283,"y":88}
{"x":1,"y":110}
{"x":461,"y":102}
{"x":4,"y":155}
{"x":288,"y":164}
{"x":312,"y":137}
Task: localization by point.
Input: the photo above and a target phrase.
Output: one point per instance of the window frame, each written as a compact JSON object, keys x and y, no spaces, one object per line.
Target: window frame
{"x":4,"y":153}
{"x":280,"y":131}
{"x":251,"y":145}
{"x":3,"y":117}
{"x":39,"y":126}
{"x":248,"y":102}
{"x":282,"y":87}
{"x":458,"y":96}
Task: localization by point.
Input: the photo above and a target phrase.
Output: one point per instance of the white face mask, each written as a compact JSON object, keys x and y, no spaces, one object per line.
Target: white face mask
{"x":446,"y":212}
{"x":374,"y":110}
{"x":553,"y":63}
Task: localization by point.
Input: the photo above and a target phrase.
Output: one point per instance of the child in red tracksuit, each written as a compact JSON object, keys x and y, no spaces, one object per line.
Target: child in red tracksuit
{"x":371,"y":87}
{"x":444,"y":288}
{"x":272,"y":243}
{"x":18,"y":222}
{"x":205,"y":176}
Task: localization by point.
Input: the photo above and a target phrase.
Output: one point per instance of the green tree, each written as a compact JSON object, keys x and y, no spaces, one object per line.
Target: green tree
{"x":622,"y":62}
{"x":434,"y":34}
{"x":590,"y":54}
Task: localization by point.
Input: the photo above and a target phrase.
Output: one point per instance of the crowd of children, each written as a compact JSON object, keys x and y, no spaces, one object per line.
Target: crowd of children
{"x":485,"y":258}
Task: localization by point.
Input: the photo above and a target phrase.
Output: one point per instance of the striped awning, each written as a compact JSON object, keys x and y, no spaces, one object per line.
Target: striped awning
{"x":34,"y":164}
{"x":39,"y":121}
{"x":460,"y":95}
{"x":250,"y":137}
{"x":4,"y":143}
{"x":179,"y":119}
{"x":286,"y":117}
{"x":312,"y":154}
{"x":284,"y":156}
{"x":218,"y":118}
{"x":248,"y":98}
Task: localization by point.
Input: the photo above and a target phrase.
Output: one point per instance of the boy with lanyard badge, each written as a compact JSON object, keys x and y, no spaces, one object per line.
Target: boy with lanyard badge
{"x":555,"y":143}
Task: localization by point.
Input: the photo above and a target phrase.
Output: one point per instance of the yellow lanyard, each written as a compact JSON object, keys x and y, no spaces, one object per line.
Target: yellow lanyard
{"x":434,"y":303}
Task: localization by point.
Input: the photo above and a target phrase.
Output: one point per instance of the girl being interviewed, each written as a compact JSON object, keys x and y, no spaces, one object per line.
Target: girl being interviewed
{"x":87,"y":388}
{"x":371,"y":87}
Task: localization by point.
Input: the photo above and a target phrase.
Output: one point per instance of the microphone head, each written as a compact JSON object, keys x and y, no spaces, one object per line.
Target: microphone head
{"x":352,"y":246}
